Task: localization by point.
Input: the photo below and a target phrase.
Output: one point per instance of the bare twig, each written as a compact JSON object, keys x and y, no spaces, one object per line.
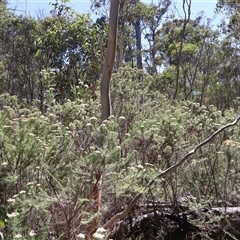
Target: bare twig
{"x":124,"y":213}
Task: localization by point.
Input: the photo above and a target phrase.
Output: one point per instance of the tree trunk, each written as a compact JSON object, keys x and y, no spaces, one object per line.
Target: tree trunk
{"x":122,"y":35}
{"x":187,"y":16}
{"x":137,"y":26}
{"x":109,"y":61}
{"x":105,"y":99}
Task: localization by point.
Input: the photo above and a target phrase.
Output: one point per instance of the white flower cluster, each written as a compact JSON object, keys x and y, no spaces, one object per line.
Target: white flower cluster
{"x":100,"y":234}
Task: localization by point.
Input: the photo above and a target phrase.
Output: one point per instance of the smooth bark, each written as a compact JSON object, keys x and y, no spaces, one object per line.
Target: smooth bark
{"x":109,"y":61}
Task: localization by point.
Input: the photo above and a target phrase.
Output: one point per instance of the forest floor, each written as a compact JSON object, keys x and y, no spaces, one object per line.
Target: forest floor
{"x":179,"y":223}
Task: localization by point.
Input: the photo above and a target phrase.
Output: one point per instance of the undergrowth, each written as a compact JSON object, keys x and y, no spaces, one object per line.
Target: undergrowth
{"x":49,"y":162}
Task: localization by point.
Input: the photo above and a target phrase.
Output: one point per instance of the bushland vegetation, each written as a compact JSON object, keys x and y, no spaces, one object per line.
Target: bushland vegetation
{"x":65,"y":171}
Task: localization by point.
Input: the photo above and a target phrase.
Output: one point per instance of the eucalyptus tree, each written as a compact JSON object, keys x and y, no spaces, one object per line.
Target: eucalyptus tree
{"x":228,"y":88}
{"x":229,"y":68}
{"x":137,"y":21}
{"x":72,"y":44}
{"x":153,"y":18}
{"x":228,"y":7}
{"x":109,"y":60}
{"x":56,"y":52}
{"x":144,"y":20}
{"x":192,"y":45}
{"x":18,"y":35}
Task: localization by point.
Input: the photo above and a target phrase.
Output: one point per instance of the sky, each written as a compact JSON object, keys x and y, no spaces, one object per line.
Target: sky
{"x":32,"y":7}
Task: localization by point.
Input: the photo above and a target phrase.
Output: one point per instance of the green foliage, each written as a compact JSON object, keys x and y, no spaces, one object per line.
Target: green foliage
{"x":49,"y":162}
{"x":43,"y":168}
{"x":66,"y":43}
{"x":73,"y":44}
{"x":53,"y":146}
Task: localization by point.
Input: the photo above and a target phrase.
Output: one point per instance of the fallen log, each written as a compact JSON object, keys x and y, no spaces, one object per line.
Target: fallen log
{"x":226,"y":210}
